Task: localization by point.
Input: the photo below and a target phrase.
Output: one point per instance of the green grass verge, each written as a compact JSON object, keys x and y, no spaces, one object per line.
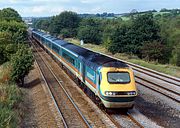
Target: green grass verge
{"x":10,"y":97}
{"x":167,"y":69}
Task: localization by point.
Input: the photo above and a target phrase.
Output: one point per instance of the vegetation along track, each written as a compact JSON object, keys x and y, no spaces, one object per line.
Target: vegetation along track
{"x":68,"y":110}
{"x":164,"y":84}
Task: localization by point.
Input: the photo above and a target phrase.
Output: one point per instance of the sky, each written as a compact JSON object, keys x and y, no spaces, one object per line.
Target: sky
{"x":43,"y":8}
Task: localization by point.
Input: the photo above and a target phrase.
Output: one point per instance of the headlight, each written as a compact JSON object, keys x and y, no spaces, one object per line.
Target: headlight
{"x":111,"y":93}
{"x":131,"y":93}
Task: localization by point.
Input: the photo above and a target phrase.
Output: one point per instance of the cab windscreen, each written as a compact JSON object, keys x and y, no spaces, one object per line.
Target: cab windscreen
{"x":118,"y":77}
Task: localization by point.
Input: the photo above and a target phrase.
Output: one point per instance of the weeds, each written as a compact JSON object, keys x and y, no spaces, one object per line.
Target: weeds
{"x":10,"y":97}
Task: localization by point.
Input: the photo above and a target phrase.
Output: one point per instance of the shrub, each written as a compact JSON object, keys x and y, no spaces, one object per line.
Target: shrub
{"x":10,"y":98}
{"x":155,"y":51}
{"x":22,"y":63}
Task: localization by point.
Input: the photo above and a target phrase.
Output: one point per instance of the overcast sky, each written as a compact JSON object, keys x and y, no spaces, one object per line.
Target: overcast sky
{"x":54,"y":7}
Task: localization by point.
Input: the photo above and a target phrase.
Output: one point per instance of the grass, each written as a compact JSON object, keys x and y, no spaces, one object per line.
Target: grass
{"x":161,"y":13}
{"x":164,"y":68}
{"x":10,"y":97}
{"x":126,"y":18}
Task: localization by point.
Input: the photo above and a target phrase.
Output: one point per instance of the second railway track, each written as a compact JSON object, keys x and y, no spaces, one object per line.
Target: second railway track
{"x":166,"y":85}
{"x":70,"y":113}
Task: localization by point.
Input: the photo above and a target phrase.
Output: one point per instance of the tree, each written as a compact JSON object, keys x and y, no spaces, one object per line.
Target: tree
{"x":156,"y":51}
{"x":146,"y":26}
{"x":22,"y":63}
{"x":41,"y":24}
{"x":175,"y":59}
{"x":89,"y":31}
{"x":129,"y":37}
{"x":5,"y":38}
{"x":117,"y":41}
{"x":3,"y":57}
{"x":10,"y":14}
{"x":17,"y":31}
{"x":54,"y":27}
{"x":67,"y":20}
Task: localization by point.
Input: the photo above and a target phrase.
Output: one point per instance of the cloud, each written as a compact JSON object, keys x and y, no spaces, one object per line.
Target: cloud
{"x":54,"y":7}
{"x":93,"y":1}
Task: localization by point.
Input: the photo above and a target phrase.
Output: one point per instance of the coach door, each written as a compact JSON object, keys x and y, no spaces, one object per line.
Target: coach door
{"x":83,"y":71}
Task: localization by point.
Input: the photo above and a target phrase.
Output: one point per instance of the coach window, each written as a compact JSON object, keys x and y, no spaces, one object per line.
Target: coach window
{"x":55,"y":48}
{"x":68,"y":58}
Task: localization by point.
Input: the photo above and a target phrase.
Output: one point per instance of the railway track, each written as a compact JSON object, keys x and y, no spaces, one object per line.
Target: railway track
{"x":120,"y":118}
{"x":70,"y":114}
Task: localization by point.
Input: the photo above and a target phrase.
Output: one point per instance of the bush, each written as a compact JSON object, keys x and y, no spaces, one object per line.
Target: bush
{"x":17,"y":30}
{"x":175,"y":59}
{"x":10,"y":98}
{"x":3,"y":57}
{"x":155,"y":51}
{"x":22,"y":63}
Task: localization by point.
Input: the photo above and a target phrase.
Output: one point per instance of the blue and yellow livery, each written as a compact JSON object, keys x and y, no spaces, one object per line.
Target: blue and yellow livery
{"x":109,"y":79}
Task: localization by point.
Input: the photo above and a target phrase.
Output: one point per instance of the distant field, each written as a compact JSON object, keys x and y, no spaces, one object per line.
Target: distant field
{"x":125,"y":18}
{"x":167,"y":69}
{"x":161,"y":13}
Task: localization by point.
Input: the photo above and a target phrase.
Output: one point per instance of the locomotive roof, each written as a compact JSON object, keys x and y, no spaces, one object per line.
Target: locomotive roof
{"x":60,"y":42}
{"x":93,"y":59}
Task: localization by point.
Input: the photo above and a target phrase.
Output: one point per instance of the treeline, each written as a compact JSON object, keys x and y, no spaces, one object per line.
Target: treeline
{"x":13,"y":46}
{"x":154,"y":38}
{"x":15,"y":62}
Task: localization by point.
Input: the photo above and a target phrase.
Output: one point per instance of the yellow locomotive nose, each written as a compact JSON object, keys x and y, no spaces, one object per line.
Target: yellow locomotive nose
{"x":117,"y":88}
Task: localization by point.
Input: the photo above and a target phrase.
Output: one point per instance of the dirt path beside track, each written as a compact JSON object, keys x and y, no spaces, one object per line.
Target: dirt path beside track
{"x":38,"y":109}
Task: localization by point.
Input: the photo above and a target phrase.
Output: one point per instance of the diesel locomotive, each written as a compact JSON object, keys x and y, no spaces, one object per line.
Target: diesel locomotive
{"x":111,"y":80}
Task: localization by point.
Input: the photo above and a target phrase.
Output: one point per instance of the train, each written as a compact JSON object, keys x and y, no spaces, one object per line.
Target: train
{"x":110,"y":80}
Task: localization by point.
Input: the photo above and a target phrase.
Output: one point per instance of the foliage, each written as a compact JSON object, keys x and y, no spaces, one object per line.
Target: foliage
{"x":10,"y":49}
{"x":66,"y":32}
{"x":5,"y":37}
{"x":146,"y":26}
{"x":42,"y":24}
{"x":65,"y":24}
{"x":10,"y":14}
{"x":15,"y":30}
{"x":22,"y":63}
{"x":12,"y":32}
{"x":89,"y":31}
{"x":3,"y":57}
{"x":9,"y":99}
{"x":118,"y":40}
{"x":176,"y":55}
{"x":131,"y":36}
{"x":155,"y":51}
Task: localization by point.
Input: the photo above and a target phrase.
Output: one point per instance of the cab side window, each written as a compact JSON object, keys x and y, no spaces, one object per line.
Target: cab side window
{"x":100,"y":78}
